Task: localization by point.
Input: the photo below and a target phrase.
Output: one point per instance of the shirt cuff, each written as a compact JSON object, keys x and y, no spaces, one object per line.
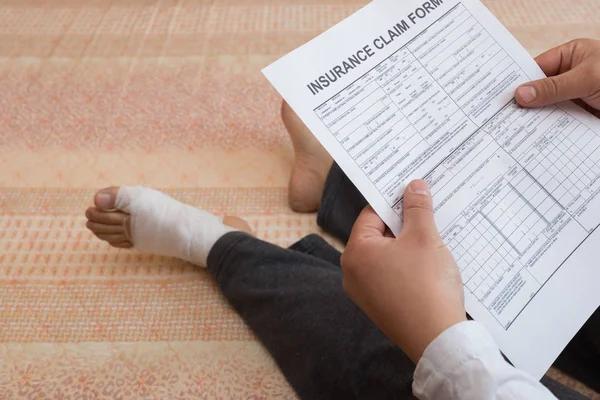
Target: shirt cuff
{"x":456,"y":345}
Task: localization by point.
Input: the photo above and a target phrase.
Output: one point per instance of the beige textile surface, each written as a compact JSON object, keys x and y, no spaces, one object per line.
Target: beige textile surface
{"x":164,"y":93}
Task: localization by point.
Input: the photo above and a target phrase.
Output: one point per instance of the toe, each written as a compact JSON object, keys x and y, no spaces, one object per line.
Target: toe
{"x":97,"y":227}
{"x":112,"y":238}
{"x":105,"y":199}
{"x":99,"y":216}
{"x":102,"y":222}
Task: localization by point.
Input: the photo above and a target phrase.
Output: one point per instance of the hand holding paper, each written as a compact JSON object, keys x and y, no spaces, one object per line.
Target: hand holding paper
{"x":409,"y":286}
{"x":574,"y":74}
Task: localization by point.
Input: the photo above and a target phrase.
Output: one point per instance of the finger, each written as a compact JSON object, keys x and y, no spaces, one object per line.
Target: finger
{"x":567,"y":79}
{"x":418,"y":209}
{"x":570,"y":85}
{"x":368,"y":224}
{"x":557,"y":60}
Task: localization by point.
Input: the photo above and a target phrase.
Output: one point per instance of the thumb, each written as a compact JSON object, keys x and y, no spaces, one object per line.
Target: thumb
{"x":418,"y":210}
{"x":567,"y":86}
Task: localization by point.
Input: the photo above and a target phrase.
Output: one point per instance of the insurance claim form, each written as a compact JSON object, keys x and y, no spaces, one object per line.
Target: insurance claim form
{"x":424,"y":89}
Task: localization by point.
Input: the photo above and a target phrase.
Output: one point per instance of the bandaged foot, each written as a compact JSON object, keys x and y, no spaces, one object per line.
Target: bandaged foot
{"x":152,"y":222}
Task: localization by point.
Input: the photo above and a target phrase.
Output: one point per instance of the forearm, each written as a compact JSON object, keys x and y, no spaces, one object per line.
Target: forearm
{"x":465,"y":363}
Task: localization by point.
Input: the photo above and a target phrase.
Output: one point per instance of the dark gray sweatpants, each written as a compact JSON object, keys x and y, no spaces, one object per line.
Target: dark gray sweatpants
{"x":325,"y":346}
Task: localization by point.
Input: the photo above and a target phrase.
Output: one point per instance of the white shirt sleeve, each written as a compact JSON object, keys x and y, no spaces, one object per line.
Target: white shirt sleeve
{"x":465,"y":363}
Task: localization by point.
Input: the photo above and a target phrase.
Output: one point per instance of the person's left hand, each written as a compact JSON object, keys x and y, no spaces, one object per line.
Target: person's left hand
{"x":410,"y":286}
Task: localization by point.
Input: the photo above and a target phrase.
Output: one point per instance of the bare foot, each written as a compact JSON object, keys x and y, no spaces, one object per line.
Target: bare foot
{"x":311,"y":165}
{"x":114,"y":226}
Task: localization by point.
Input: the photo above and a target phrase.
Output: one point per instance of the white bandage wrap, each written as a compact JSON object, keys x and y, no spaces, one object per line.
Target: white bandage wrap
{"x":164,"y":226}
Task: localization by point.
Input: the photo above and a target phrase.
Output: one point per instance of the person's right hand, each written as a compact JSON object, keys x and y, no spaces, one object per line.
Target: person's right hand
{"x":573,"y":71}
{"x":410,"y":286}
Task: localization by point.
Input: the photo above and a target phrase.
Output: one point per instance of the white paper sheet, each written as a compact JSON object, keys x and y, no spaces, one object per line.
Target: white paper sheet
{"x":424,"y":89}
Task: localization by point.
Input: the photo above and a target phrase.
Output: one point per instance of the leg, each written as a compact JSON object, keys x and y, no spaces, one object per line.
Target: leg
{"x":325,"y":346}
{"x":341,"y":204}
{"x":561,"y":391}
{"x":291,"y":298}
{"x":294,"y":302}
{"x":581,"y":357}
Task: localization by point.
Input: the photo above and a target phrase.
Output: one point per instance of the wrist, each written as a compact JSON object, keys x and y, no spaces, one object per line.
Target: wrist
{"x":422,"y":337}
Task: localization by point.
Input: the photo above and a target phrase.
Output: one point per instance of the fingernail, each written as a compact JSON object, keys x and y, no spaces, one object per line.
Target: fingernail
{"x":103,"y":201}
{"x":419,"y":187}
{"x":527,"y":94}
